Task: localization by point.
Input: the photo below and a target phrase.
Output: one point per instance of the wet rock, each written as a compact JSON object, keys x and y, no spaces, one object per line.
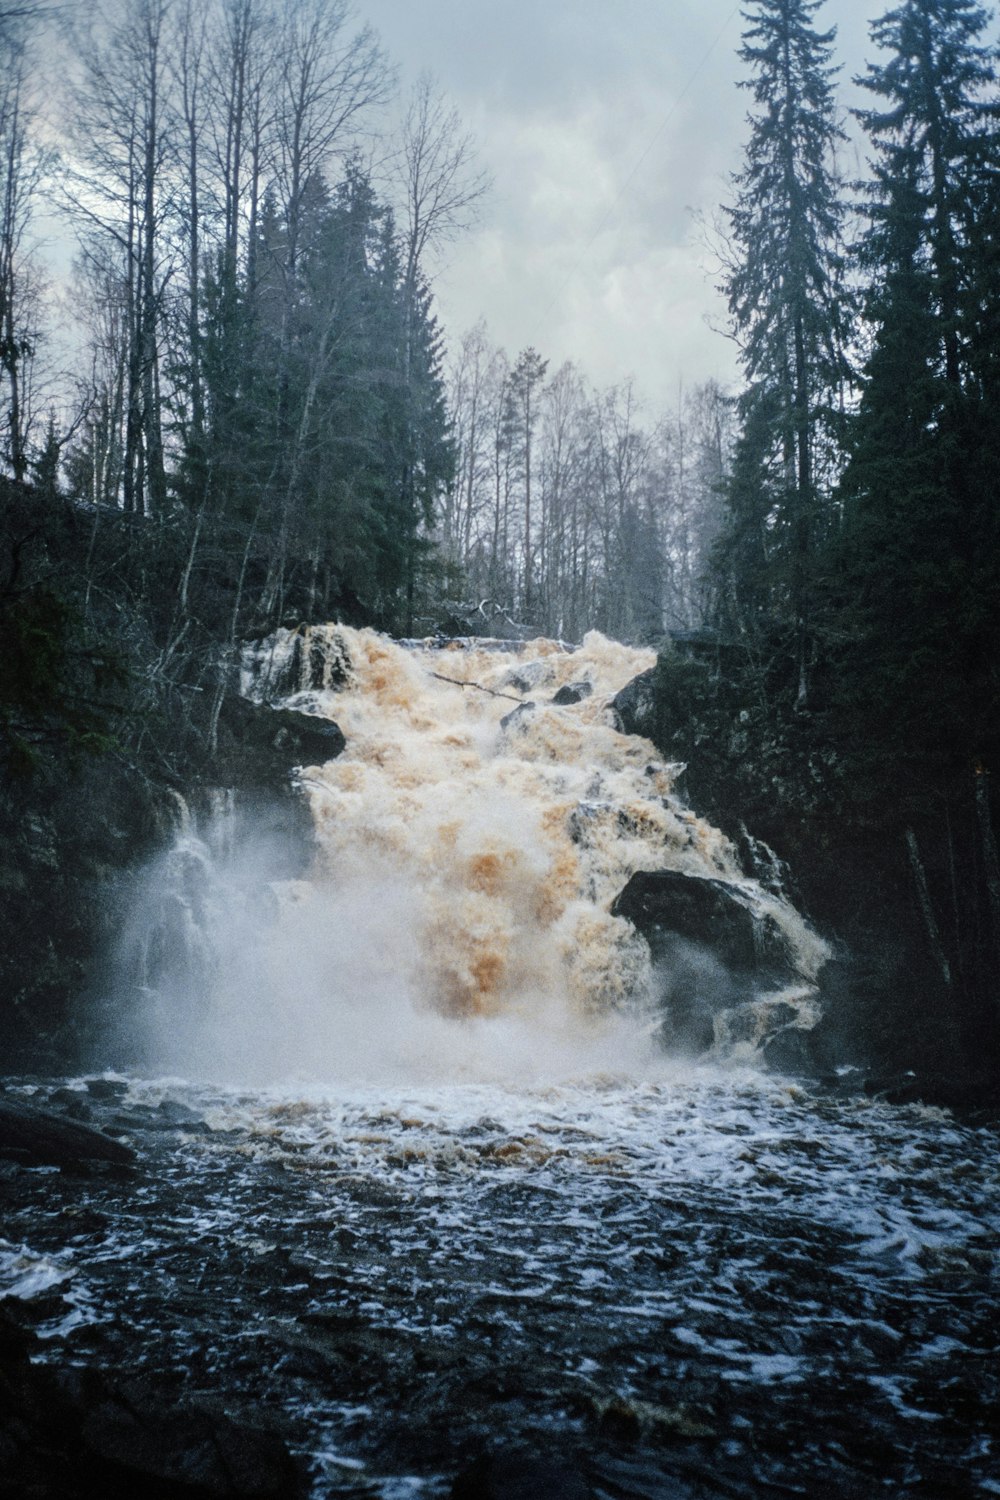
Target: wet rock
{"x":518,"y":717}
{"x":188,"y":1451}
{"x":259,"y":745}
{"x":71,"y":1102}
{"x":572,"y":692}
{"x":520,"y":1476}
{"x":664,"y":904}
{"x":63,"y":892}
{"x":310,"y":739}
{"x":35,"y":1136}
{"x":969,"y":1097}
{"x":107,"y":1088}
{"x":790,"y":1050}
{"x":80,"y":1433}
{"x":631,"y":1477}
{"x":305,"y":659}
{"x":627,"y":1420}
{"x":174,"y":1112}
{"x":527,"y":675}
{"x":634,"y":707}
{"x":709,"y":947}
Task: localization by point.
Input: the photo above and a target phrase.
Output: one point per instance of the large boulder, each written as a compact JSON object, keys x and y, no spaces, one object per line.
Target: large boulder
{"x":572,"y":692}
{"x":528,"y":675}
{"x":664,"y":904}
{"x":35,"y":1137}
{"x":634,"y":708}
{"x":260,"y":746}
{"x":712,"y":948}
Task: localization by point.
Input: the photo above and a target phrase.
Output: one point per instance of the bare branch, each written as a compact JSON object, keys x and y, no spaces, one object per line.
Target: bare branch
{"x":435,"y":174}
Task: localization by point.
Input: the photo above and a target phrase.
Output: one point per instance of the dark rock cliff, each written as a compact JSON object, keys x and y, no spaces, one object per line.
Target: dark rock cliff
{"x":73,"y":836}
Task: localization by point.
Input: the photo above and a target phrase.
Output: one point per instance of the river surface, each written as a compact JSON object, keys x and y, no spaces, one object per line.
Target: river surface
{"x":694,"y":1281}
{"x":453,"y":1201}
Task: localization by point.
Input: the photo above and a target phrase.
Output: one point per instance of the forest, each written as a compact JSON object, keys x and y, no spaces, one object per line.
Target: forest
{"x":262,"y":422}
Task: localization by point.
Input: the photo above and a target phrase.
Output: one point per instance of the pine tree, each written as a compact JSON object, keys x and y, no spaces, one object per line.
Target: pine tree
{"x":787,"y":303}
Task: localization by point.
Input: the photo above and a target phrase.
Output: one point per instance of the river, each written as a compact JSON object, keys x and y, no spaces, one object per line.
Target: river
{"x":700,"y":1282}
{"x":417,"y":1185}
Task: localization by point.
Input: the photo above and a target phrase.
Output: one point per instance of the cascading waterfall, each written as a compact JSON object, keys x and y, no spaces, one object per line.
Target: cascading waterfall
{"x":470,"y":843}
{"x":418,"y":1185}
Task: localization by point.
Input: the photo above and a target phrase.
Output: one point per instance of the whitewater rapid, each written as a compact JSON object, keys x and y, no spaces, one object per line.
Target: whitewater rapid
{"x":709,"y":1285}
{"x":418,"y":1188}
{"x":455,"y":920}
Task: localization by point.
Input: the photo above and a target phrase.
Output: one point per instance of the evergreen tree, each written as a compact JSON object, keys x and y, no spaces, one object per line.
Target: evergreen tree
{"x":935,"y":147}
{"x":918,"y":555}
{"x":328,"y":428}
{"x":915,"y":574}
{"x":788,"y":309}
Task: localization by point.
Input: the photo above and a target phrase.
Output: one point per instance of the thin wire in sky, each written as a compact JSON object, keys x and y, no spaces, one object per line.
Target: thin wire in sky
{"x":628,"y":180}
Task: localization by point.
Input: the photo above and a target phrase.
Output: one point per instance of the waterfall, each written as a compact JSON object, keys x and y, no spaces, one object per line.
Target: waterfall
{"x":470,"y":843}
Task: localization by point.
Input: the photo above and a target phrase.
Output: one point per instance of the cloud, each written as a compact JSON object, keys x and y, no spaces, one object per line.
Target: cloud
{"x":604,"y":126}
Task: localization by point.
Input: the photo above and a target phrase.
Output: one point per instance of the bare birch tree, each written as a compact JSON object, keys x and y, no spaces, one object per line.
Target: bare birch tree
{"x":22,"y":170}
{"x":120,"y":194}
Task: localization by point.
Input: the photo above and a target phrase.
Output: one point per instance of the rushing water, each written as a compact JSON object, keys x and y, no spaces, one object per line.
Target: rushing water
{"x":470,"y":842}
{"x":696,"y":1282}
{"x":415,"y":1183}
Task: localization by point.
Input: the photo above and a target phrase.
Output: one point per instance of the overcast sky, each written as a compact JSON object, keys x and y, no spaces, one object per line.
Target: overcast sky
{"x":604,"y":123}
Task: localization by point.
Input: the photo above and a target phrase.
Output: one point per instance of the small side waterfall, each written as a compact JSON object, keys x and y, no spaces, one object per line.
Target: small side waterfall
{"x":471,"y":841}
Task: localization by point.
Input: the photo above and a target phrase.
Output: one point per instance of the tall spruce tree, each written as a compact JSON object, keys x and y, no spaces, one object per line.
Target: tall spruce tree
{"x":786,"y":300}
{"x":919,"y":549}
{"x":935,"y":144}
{"x":916,"y":705}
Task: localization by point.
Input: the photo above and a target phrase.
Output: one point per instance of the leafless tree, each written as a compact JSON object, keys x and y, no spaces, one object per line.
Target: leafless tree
{"x":327,"y":81}
{"x":121,"y":196}
{"x":189,"y":65}
{"x":23,"y":166}
{"x":438,"y":184}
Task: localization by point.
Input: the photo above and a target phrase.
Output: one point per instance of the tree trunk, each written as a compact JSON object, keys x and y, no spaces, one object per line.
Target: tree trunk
{"x":152,"y":431}
{"x":991,"y":864}
{"x":926,"y":907}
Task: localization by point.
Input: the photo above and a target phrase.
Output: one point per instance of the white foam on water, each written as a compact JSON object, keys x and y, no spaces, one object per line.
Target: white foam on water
{"x":456,"y":922}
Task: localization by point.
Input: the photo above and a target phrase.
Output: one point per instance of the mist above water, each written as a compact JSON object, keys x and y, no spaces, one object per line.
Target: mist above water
{"x":455,"y":921}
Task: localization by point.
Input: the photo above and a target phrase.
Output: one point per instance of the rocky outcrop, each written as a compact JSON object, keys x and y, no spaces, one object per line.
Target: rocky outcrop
{"x":634,"y":708}
{"x":712,"y":950}
{"x":67,"y":845}
{"x":259,"y":746}
{"x":527,"y":675}
{"x":72,"y":840}
{"x":666,"y":904}
{"x":305,"y":659}
{"x":35,"y":1137}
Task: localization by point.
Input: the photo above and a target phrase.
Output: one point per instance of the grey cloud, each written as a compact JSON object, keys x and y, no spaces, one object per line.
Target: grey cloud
{"x":604,"y":124}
